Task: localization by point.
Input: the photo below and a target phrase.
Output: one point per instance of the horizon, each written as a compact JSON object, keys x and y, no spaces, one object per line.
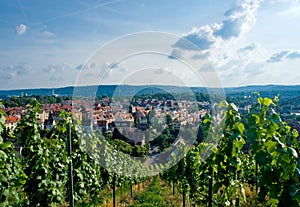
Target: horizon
{"x":237,"y":43}
{"x":230,"y":87}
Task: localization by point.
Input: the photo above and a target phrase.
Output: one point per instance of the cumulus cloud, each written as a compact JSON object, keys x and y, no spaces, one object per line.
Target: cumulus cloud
{"x":220,"y":43}
{"x":199,"y":38}
{"x":237,"y":21}
{"x":223,"y":59}
{"x":64,"y":67}
{"x":248,"y":48}
{"x":95,"y":70}
{"x":176,"y":53}
{"x":21,"y":29}
{"x":59,"y":74}
{"x":284,"y":55}
{"x":118,"y":66}
{"x":293,"y":55}
{"x":242,"y":65}
{"x":10,"y":72}
{"x":23,"y":75}
{"x":278,"y":56}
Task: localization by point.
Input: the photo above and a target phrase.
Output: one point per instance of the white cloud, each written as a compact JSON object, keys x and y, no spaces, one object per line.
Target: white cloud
{"x":254,"y":65}
{"x":293,"y":55}
{"x":284,"y":72}
{"x":240,"y":66}
{"x":120,"y":66}
{"x":58,"y":68}
{"x":218,"y":43}
{"x":176,"y":53}
{"x":238,"y":20}
{"x":199,"y":38}
{"x":247,"y":48}
{"x":236,"y":64}
{"x":55,"y":75}
{"x":21,"y":29}
{"x":94,"y":71}
{"x":284,"y":55}
{"x":11,"y":73}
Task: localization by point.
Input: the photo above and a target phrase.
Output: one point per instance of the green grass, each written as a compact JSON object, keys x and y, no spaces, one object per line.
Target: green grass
{"x":157,"y":194}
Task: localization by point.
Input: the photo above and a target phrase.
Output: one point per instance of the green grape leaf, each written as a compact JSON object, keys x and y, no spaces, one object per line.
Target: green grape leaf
{"x":5,"y":145}
{"x":267,"y":101}
{"x":241,"y":128}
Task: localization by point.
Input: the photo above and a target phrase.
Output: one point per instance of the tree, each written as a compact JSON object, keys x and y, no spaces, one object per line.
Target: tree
{"x":169,"y":120}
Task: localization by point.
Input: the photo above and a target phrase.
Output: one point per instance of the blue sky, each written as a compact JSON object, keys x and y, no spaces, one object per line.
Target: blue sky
{"x":53,"y":43}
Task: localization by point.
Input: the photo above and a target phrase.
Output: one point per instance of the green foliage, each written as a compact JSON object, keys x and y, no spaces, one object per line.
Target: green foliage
{"x":225,"y":163}
{"x":169,"y":120}
{"x":12,"y":176}
{"x":257,"y":149}
{"x":86,"y":169}
{"x":261,"y":140}
{"x":40,"y":177}
{"x":154,"y":195}
{"x":274,"y":146}
{"x":44,"y":162}
{"x":25,"y":100}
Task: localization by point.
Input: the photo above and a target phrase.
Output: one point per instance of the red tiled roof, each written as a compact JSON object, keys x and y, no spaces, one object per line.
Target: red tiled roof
{"x":11,"y":119}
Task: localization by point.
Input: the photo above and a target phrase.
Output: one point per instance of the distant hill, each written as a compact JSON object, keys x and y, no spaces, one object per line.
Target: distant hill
{"x":100,"y":90}
{"x":261,"y":88}
{"x":285,"y":92}
{"x":130,"y":90}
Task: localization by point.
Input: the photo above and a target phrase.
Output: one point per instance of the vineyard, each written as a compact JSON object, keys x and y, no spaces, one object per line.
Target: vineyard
{"x":254,"y":163}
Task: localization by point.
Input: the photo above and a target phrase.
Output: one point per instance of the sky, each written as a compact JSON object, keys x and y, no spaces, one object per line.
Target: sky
{"x":197,"y":42}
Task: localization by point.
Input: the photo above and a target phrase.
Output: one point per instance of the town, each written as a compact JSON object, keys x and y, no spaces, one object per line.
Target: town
{"x":134,"y":119}
{"x":105,"y":113}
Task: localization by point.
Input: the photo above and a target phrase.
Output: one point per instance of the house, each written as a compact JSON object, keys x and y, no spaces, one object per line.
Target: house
{"x":103,"y":119}
{"x":44,"y":115}
{"x":140,"y":119}
{"x":123,"y":120}
{"x":11,"y":122}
